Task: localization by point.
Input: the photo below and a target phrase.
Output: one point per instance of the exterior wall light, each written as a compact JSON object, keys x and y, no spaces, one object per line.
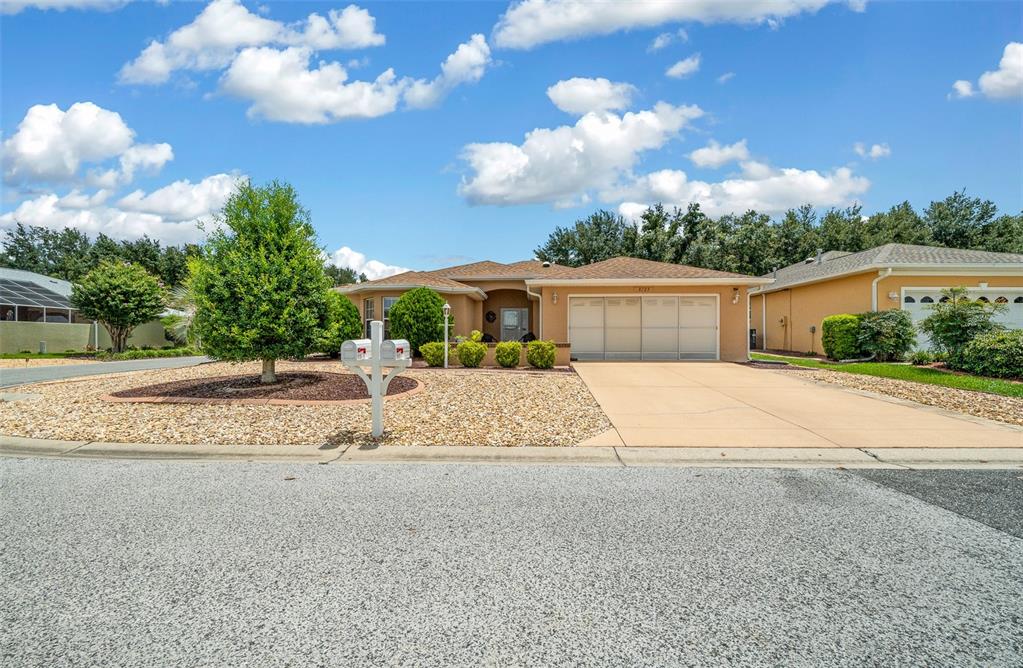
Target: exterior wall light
{"x":554,"y":297}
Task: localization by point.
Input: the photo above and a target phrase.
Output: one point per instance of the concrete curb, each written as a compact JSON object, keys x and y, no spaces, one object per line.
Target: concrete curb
{"x":908,"y":458}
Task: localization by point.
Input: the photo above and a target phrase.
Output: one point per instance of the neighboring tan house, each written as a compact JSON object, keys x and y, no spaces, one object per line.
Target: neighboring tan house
{"x":618,"y":309}
{"x":790,"y":310}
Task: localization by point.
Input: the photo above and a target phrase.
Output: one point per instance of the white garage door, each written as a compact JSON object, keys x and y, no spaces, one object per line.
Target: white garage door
{"x":917,"y":302}
{"x":650,"y":328}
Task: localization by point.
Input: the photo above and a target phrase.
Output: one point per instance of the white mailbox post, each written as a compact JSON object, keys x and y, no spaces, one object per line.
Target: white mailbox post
{"x":377,"y":354}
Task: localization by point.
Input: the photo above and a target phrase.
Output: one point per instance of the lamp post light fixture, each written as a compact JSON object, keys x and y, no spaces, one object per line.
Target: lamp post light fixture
{"x":447,"y":312}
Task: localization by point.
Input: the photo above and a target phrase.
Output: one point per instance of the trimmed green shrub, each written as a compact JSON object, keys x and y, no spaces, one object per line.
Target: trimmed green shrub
{"x":997,"y":354}
{"x":921,"y":357}
{"x":417,"y":317}
{"x":840,"y":336}
{"x":957,"y":320}
{"x":471,"y":353}
{"x":144,"y":354}
{"x":433,"y":353}
{"x":541,"y":354}
{"x":508,"y":354}
{"x":343,"y":323}
{"x":888,"y":335}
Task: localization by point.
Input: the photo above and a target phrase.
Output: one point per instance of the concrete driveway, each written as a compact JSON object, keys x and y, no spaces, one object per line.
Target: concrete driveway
{"x":715,"y":404}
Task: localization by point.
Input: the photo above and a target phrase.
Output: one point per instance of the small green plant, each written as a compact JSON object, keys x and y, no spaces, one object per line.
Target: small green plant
{"x":471,"y":353}
{"x":343,"y":322}
{"x":921,"y":357}
{"x":541,"y":354}
{"x":433,"y":353}
{"x":887,"y":335}
{"x":508,"y":354}
{"x":996,"y":354}
{"x":840,"y":336}
{"x":956,"y":320}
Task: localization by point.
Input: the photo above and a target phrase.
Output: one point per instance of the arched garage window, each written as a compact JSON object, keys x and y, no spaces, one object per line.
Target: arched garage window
{"x":1001,"y":300}
{"x":985,"y":300}
{"x":909,"y":300}
{"x":943,"y":300}
{"x":1018,"y":300}
{"x":926,"y":300}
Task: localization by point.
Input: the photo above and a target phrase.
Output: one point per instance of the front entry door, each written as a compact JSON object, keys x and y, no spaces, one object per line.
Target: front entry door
{"x":514,"y":323}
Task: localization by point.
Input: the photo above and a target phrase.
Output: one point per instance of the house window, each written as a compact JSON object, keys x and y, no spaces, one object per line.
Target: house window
{"x":909,"y":300}
{"x":369,"y":310}
{"x":388,"y":303}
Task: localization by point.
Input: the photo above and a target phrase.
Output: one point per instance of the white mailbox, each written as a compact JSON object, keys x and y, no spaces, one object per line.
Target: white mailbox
{"x":395,"y":349}
{"x":356,"y":349}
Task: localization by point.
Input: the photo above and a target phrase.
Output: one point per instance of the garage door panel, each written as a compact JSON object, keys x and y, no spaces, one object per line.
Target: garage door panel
{"x":660,"y":312}
{"x":698,"y":328}
{"x":660,"y":343}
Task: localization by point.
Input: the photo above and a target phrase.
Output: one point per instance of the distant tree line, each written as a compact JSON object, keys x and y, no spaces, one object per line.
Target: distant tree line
{"x":70,"y":254}
{"x":753,"y":243}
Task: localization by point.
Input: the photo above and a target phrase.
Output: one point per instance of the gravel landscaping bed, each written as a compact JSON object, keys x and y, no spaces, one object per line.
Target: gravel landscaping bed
{"x":454,"y":408}
{"x":294,"y":386}
{"x":979,"y":404}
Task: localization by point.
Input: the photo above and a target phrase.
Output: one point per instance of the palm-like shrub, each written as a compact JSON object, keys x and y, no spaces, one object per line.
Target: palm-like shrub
{"x":957,"y":320}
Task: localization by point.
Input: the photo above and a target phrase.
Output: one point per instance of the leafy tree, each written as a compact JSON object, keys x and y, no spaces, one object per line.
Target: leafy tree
{"x":900,"y":225}
{"x":843,"y":229}
{"x":797,"y":237}
{"x":1004,"y":234}
{"x":418,"y":317}
{"x":599,"y":236}
{"x":659,"y":236}
{"x":259,"y":286}
{"x":956,"y":320}
{"x":342,"y":275}
{"x":120,"y":296}
{"x":958,"y":221}
{"x":752,"y":244}
{"x":343,"y":323}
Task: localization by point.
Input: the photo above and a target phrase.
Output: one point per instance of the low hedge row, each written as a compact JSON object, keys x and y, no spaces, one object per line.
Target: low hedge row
{"x":470,"y":353}
{"x":146,"y":353}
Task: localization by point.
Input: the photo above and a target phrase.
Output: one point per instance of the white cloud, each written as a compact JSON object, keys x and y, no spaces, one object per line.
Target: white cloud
{"x":563,"y":164}
{"x":224,"y":27}
{"x":715,"y":155}
{"x":1005,"y":83}
{"x":666,"y":38}
{"x":171,"y":214}
{"x":50,"y":145}
{"x":962,"y":88}
{"x":684,"y":68}
{"x":580,"y":95}
{"x":758,"y":186}
{"x":358,"y":262}
{"x":873,"y":152}
{"x":726,"y":77}
{"x":15,"y":6}
{"x":282,"y":87}
{"x":529,"y":23}
{"x":466,"y":65}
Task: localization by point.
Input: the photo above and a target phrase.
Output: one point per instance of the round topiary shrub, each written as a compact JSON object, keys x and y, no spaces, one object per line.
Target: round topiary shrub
{"x":417,"y":317}
{"x":508,"y":354}
{"x":541,"y":354}
{"x":433,"y":353}
{"x":997,"y":354}
{"x":840,"y":336}
{"x":470,"y":353}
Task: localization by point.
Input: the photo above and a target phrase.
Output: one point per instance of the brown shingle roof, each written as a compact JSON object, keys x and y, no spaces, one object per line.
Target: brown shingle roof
{"x":635,"y":268}
{"x":406,"y":278}
{"x":521,"y":269}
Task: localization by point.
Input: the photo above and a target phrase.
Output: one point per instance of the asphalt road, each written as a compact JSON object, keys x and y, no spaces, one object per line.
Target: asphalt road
{"x":38,"y":374}
{"x":147,"y":563}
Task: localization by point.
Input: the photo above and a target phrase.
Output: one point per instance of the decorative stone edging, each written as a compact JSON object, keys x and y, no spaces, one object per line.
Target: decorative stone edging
{"x":257,"y":402}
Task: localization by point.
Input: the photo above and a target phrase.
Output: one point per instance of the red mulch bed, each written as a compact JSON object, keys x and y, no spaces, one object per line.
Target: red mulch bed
{"x":293,"y":386}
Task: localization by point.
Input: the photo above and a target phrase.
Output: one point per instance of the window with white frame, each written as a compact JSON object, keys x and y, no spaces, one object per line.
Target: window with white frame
{"x":369,"y":309}
{"x":388,"y":303}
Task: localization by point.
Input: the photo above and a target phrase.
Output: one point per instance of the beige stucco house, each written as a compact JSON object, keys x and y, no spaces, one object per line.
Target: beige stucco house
{"x":788,"y":312}
{"x":621,"y":308}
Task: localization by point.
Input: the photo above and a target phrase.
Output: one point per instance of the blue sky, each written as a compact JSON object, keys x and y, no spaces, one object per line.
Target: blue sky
{"x":429,"y":166}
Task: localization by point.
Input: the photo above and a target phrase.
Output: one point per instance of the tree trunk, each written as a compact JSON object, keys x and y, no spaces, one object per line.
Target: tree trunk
{"x":269,"y":373}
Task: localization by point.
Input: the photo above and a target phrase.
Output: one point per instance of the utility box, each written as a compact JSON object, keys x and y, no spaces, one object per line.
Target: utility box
{"x":395,"y":349}
{"x":356,"y":350}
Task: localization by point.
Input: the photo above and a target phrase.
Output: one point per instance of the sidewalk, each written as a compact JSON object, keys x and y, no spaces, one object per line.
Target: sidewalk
{"x":910,"y":458}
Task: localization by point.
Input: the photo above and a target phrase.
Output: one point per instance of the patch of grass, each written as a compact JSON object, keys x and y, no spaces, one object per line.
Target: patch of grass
{"x":43,"y":356}
{"x":908,"y":372}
